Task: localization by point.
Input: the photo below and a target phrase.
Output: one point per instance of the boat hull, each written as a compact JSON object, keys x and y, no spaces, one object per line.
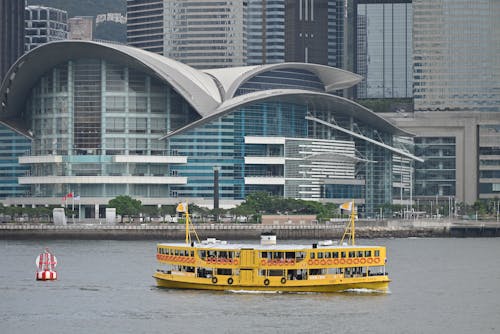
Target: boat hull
{"x":377,"y":284}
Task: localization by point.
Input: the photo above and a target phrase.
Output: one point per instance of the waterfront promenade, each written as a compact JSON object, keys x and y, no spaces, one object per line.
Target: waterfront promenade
{"x":166,"y":231}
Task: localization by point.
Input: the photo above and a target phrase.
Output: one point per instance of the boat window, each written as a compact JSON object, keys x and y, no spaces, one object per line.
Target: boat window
{"x":312,"y":255}
{"x":300,"y":255}
{"x":202,"y":254}
{"x":320,"y":255}
{"x":368,"y":253}
{"x":263,"y":272}
{"x":211,"y":254}
{"x":335,"y":255}
{"x":342,"y":254}
{"x":377,"y":253}
{"x":276,"y":272}
{"x":278,"y":255}
{"x":224,"y":271}
{"x":263,"y":255}
{"x":192,"y":253}
{"x":360,"y":254}
{"x":290,"y":255}
{"x":328,"y":255}
{"x":176,"y":252}
{"x":352,"y":254}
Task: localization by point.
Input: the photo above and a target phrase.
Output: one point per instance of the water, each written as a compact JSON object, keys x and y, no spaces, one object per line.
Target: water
{"x":439,"y":286}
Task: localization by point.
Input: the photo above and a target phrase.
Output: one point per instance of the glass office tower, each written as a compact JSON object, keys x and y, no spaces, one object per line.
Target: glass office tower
{"x":384,"y":49}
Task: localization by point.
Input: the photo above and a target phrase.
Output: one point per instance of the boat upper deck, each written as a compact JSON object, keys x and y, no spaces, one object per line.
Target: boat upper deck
{"x":222,"y":245}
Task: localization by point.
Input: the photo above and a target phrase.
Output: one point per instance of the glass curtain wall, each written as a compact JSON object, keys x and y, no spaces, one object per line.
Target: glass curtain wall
{"x":89,"y":110}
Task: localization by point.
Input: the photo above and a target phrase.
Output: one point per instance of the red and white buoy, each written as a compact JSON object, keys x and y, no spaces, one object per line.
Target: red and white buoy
{"x":46,"y":263}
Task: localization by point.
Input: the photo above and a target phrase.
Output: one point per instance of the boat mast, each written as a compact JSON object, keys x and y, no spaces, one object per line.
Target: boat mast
{"x":188,"y":235}
{"x":349,"y":231}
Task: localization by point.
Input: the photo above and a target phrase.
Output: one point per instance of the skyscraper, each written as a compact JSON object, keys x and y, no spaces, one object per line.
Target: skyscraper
{"x":44,"y":24}
{"x":207,"y":34}
{"x":383,"y":48}
{"x":11,"y":33}
{"x":145,"y":24}
{"x":457,"y":98}
{"x":314,"y":31}
{"x":265,"y":32}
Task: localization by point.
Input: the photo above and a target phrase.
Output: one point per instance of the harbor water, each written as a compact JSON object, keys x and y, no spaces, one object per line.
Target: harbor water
{"x":439,"y":286}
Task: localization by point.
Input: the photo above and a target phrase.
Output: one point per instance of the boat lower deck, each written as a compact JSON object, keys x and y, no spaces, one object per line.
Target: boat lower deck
{"x":179,"y":280}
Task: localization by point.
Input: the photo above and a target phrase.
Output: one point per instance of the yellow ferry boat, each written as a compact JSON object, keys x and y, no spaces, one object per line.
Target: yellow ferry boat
{"x":320,"y":267}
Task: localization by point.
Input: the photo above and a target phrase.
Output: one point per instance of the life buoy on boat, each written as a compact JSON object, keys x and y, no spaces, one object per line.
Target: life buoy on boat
{"x":230,"y":281}
{"x":235,"y":261}
{"x":266,"y":282}
{"x":370,"y":260}
{"x":377,"y":260}
{"x":214,"y":280}
{"x":283,"y":280}
{"x":362,"y":261}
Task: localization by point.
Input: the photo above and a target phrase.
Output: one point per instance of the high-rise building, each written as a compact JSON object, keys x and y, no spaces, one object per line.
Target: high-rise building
{"x":383,"y":48}
{"x":206,"y":34}
{"x":81,"y":28}
{"x":265,"y":32}
{"x":145,"y":24}
{"x":457,"y":98}
{"x":11,"y":33}
{"x":314,"y":31}
{"x":44,"y":24}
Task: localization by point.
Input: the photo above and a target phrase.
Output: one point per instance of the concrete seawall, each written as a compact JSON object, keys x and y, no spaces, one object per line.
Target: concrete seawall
{"x":396,"y":229}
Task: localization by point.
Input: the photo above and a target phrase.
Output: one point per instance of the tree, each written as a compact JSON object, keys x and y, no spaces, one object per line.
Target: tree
{"x":125,"y":206}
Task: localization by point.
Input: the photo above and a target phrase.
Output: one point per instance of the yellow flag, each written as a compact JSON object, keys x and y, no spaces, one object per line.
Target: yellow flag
{"x":347,"y":206}
{"x":182,"y":207}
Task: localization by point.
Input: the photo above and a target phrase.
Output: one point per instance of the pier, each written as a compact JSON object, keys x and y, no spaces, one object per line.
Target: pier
{"x":232,"y":231}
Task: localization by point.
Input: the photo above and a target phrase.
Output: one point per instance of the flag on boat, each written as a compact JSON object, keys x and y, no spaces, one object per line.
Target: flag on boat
{"x":69,"y":195}
{"x":77,"y":198}
{"x":347,"y":206}
{"x":182,"y":207}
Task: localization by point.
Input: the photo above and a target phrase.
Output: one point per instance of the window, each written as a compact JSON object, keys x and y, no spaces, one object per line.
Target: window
{"x":377,"y":253}
{"x":368,"y":253}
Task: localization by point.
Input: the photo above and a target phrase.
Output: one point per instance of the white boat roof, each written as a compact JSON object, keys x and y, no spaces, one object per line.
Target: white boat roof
{"x":276,"y":247}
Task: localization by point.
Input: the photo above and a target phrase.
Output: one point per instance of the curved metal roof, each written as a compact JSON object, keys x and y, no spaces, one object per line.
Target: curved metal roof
{"x":333,"y":78}
{"x":198,"y":88}
{"x":323,"y":100}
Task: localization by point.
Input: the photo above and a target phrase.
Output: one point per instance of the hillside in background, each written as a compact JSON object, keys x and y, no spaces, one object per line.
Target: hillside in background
{"x":84,"y":7}
{"x":111,"y":31}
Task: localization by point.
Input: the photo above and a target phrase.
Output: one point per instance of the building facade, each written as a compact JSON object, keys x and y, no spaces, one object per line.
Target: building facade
{"x":457,"y":98}
{"x":314,"y":31}
{"x":265,"y":32}
{"x":208,"y":34}
{"x":383,"y":48}
{"x":145,"y":25}
{"x":81,"y":28}
{"x":106,"y":120}
{"x":44,"y":24}
{"x":15,"y":144}
{"x":11,"y":33}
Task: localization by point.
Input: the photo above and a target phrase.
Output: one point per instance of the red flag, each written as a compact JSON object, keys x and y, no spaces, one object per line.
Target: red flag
{"x":69,"y":195}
